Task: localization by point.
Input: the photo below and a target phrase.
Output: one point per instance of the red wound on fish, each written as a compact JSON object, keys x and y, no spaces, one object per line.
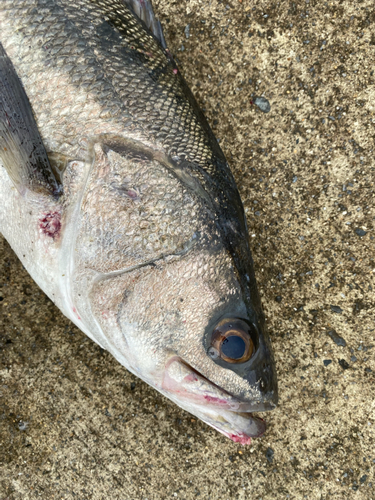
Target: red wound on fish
{"x":215,"y":401}
{"x":50,"y":224}
{"x":242,"y":439}
{"x":76,"y":313}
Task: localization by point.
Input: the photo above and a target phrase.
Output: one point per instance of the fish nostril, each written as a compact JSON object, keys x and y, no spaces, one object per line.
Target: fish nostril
{"x":213,"y":353}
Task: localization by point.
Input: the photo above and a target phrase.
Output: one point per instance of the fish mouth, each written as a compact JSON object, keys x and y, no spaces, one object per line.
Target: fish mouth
{"x":216,"y":407}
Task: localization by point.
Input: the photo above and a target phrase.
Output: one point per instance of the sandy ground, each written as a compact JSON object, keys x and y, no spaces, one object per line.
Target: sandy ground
{"x":75,"y":425}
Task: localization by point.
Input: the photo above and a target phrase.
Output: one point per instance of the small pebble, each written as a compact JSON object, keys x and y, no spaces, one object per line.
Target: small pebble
{"x":22,"y":425}
{"x":360,"y":231}
{"x":327,"y":362}
{"x":336,"y":338}
{"x":263,"y":104}
{"x":336,"y":309}
{"x":344,"y":364}
{"x":187,"y":30}
{"x":269,"y":454}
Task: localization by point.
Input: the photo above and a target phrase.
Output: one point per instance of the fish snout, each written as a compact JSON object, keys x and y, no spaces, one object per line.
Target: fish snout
{"x":188,"y":384}
{"x":219,"y":409}
{"x":262,"y":378}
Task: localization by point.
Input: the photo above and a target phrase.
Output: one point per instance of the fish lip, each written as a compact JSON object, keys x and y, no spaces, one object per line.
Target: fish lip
{"x":242,"y":437}
{"x":217,"y":408}
{"x":241,"y":406}
{"x":233,"y":403}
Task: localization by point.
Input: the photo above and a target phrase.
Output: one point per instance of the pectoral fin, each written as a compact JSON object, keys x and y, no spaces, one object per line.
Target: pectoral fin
{"x":143,"y":9}
{"x":22,"y":152}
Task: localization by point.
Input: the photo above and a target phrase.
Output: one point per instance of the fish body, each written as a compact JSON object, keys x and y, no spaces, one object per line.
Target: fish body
{"x":119,"y":202}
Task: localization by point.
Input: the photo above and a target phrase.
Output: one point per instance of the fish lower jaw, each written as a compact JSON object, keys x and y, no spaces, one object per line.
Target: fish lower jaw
{"x":193,"y":392}
{"x":236,"y":438}
{"x":239,"y":427}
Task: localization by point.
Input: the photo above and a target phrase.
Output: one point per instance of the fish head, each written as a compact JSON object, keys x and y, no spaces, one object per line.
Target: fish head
{"x":182,"y":326}
{"x":187,"y":321}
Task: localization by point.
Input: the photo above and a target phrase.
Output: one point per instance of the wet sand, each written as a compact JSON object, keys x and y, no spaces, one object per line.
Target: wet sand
{"x":74,"y":424}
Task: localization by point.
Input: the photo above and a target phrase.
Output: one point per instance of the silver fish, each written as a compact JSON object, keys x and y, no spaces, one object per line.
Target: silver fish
{"x":119,"y":202}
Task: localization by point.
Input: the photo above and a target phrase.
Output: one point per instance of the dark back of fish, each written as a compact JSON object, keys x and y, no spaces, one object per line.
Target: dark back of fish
{"x":125,"y":78}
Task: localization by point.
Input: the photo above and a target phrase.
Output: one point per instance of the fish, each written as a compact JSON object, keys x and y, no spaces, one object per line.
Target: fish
{"x":119,"y":202}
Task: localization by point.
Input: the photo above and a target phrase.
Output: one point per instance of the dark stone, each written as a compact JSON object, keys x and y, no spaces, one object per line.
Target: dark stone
{"x":336,"y":309}
{"x":327,"y":362}
{"x":336,"y":338}
{"x":278,"y":298}
{"x":360,"y":231}
{"x":269,"y":454}
{"x":344,"y":364}
{"x":363,"y":479}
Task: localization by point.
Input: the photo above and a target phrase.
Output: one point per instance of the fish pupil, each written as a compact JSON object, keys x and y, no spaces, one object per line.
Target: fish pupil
{"x":233,"y":347}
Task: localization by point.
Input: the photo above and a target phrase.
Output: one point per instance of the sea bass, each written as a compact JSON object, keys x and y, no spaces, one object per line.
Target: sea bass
{"x":119,"y":202}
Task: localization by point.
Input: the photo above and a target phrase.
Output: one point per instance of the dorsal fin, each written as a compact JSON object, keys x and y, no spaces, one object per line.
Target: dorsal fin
{"x":143,"y":9}
{"x":22,"y":151}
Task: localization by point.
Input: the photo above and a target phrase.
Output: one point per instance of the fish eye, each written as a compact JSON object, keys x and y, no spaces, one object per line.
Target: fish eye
{"x":231,"y":341}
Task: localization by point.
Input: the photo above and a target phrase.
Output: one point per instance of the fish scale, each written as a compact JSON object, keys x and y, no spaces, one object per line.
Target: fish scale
{"x":132,"y":224}
{"x":145,"y":242}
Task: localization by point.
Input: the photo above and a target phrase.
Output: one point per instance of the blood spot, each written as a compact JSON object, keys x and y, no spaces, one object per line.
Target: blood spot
{"x":76,"y":313}
{"x":50,"y":224}
{"x":217,"y":401}
{"x":241,"y":438}
{"x":131,"y":193}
